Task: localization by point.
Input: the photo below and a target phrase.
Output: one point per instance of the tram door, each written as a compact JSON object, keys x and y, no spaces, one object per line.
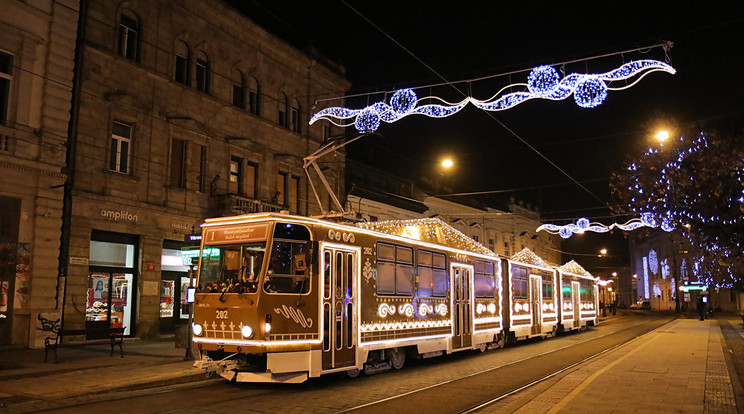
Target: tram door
{"x":462,"y":306}
{"x":536,"y":303}
{"x":575,"y":302}
{"x":339,"y":344}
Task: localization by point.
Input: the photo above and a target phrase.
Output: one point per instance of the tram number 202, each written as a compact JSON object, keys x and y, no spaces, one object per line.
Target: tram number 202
{"x":221,"y":314}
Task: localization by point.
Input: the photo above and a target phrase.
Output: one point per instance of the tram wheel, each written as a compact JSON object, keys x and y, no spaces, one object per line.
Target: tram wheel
{"x":501,"y":341}
{"x":353,"y":373}
{"x":397,"y":357}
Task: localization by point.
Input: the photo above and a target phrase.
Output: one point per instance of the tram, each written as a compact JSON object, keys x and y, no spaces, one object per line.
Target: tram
{"x":283,"y":298}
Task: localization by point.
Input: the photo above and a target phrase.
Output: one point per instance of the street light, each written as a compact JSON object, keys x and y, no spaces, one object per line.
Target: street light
{"x":602,"y":253}
{"x":662,"y":135}
{"x":447,"y":163}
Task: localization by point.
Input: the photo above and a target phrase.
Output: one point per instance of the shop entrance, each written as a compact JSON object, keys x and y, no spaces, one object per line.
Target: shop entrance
{"x":174,"y":281}
{"x":112,"y":277}
{"x":10,"y":213}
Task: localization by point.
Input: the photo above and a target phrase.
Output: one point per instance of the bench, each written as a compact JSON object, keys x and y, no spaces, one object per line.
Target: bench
{"x":115,"y":336}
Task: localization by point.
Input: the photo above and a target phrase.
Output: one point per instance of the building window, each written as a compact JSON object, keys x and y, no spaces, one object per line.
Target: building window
{"x":254,"y":96}
{"x":121,"y":142}
{"x":294,"y":116}
{"x":202,"y":72}
{"x":178,"y":163}
{"x":6,"y":76}
{"x":10,"y":215}
{"x":181,"y":74}
{"x":294,"y":194}
{"x":236,"y":175}
{"x":128,"y":36}
{"x":326,"y":130}
{"x":477,"y":239}
{"x":198,"y":165}
{"x":251,"y":180}
{"x":281,"y":188}
{"x":238,"y":89}
{"x":432,"y":274}
{"x":282,"y":109}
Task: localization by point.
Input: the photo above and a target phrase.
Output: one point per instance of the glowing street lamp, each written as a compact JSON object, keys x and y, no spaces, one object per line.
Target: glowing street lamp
{"x":662,"y":135}
{"x":447,"y":163}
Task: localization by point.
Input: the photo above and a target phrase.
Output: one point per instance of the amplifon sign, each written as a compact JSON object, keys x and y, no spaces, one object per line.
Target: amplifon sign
{"x":119,"y":215}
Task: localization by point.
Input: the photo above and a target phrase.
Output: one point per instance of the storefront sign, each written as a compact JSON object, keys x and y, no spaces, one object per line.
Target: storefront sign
{"x":119,"y":215}
{"x":237,"y":234}
{"x":82,"y":261}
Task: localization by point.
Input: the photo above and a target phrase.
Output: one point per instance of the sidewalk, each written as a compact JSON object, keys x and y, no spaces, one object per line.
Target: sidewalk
{"x":680,"y":367}
{"x":29,"y":384}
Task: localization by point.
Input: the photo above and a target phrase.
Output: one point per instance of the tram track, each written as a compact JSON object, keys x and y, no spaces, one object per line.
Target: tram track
{"x":482,"y":383}
{"x":505,"y":373}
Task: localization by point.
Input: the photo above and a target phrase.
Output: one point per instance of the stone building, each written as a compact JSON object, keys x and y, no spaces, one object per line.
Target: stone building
{"x":37,"y":45}
{"x":187,"y":110}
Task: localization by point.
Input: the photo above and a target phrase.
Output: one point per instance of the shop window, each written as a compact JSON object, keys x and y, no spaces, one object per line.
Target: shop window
{"x":238,"y":89}
{"x":103,"y":253}
{"x":6,"y":77}
{"x":181,"y":71}
{"x":432,"y":274}
{"x":129,"y":35}
{"x":121,"y":142}
{"x":202,"y":72}
{"x":394,"y":270}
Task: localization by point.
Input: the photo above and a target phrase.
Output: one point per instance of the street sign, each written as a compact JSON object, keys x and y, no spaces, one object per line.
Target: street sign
{"x":692,"y":288}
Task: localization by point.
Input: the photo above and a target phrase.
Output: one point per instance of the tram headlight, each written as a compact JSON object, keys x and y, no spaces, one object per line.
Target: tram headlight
{"x":197,"y":329}
{"x":247,"y":331}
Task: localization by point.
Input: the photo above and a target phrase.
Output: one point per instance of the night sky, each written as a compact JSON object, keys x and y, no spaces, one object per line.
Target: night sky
{"x":388,"y":45}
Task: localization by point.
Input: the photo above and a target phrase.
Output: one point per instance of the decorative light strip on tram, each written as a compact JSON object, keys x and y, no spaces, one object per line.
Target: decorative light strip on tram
{"x":543,"y":82}
{"x":371,"y":327}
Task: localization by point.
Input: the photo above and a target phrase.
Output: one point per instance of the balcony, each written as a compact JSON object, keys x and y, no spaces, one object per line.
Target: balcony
{"x":232,"y":204}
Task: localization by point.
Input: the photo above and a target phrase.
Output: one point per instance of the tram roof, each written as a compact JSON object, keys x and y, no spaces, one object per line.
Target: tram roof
{"x":575,"y":268}
{"x":432,"y":230}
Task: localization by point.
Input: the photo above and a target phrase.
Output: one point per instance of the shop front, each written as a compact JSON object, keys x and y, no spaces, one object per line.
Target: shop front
{"x":112,"y":278}
{"x":175,"y":280}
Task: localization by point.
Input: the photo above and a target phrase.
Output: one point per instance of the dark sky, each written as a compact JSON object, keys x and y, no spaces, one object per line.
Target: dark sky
{"x":386,"y":45}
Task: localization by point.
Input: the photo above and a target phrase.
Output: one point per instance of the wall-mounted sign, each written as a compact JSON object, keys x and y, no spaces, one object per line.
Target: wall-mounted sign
{"x":83,"y":261}
{"x":119,"y":215}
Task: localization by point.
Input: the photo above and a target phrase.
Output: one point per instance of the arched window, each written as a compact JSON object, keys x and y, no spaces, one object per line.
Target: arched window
{"x":129,"y":29}
{"x":238,"y":89}
{"x":281,"y":102}
{"x":202,"y":72}
{"x":181,"y":73}
{"x":294,"y":116}
{"x":254,"y":96}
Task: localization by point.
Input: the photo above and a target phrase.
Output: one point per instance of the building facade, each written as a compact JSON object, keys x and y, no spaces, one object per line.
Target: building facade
{"x":187,"y":110}
{"x":37,"y":48}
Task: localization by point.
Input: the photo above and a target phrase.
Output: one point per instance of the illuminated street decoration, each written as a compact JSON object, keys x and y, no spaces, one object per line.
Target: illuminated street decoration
{"x":543,"y":82}
{"x":583,"y":225}
{"x":527,"y":256}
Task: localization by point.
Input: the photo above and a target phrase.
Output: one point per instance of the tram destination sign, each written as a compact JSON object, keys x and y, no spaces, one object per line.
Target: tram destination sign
{"x":236,"y":234}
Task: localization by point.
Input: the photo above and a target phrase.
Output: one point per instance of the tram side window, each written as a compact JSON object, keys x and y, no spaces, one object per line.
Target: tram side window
{"x":566,"y":291}
{"x":484,"y":279}
{"x":288,"y":270}
{"x":519,"y":282}
{"x":587,"y":291}
{"x":432,"y":281}
{"x":231,"y":268}
{"x":547,"y":289}
{"x":394,"y":270}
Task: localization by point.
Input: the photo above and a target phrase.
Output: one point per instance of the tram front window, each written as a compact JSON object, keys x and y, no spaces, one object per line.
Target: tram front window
{"x":231,"y":268}
{"x":288,"y":270}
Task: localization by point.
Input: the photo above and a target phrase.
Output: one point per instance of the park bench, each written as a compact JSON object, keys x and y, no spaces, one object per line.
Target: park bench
{"x":113,"y":335}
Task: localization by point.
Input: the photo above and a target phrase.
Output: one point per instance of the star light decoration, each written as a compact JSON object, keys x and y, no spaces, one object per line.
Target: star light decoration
{"x":583,"y":225}
{"x":543,"y":82}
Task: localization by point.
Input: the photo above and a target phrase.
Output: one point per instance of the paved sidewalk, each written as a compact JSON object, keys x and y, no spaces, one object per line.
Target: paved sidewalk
{"x":678,"y":368}
{"x":29,"y":384}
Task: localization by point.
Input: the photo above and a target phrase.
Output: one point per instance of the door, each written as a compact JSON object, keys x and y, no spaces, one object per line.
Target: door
{"x":339,"y":277}
{"x":575,"y":304}
{"x":536,"y":303}
{"x":462,"y":315}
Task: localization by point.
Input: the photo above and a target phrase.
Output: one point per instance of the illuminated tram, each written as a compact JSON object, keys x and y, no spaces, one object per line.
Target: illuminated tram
{"x":283,"y":298}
